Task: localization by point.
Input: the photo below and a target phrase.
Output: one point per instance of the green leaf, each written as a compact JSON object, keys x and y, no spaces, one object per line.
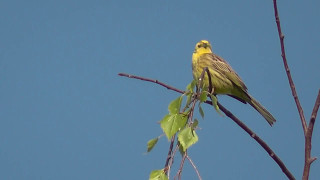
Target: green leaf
{"x":151,"y":143}
{"x":189,"y":101}
{"x":186,"y":112}
{"x":215,"y":104}
{"x":201,"y":111}
{"x":189,"y":98}
{"x":172,"y":123}
{"x":203,"y":96}
{"x":187,"y":137}
{"x":181,"y":150}
{"x":191,"y":86}
{"x":174,"y":106}
{"x":195,"y":124}
{"x":158,"y":175}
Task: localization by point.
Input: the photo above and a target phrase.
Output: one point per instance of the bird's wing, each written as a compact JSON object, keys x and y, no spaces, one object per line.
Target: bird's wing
{"x":221,"y":66}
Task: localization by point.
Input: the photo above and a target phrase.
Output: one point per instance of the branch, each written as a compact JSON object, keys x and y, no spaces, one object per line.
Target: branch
{"x":151,"y":80}
{"x":181,"y":165}
{"x":308,"y":130}
{"x":314,"y":111}
{"x":308,"y":159}
{"x":194,"y":167}
{"x":173,"y":154}
{"x":185,"y":155}
{"x":235,"y":119}
{"x":167,"y":166}
{"x":283,"y":54}
{"x":263,"y":144}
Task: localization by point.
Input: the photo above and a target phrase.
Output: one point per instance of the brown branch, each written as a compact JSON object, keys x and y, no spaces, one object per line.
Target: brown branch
{"x":308,"y":159}
{"x":173,"y":154}
{"x":315,"y":109}
{"x":194,"y":167}
{"x":235,"y":119}
{"x":263,"y":144}
{"x":192,"y":110}
{"x":181,"y":166}
{"x":185,"y":155}
{"x":151,"y":80}
{"x":283,"y":54}
{"x":167,"y":166}
{"x":308,"y":130}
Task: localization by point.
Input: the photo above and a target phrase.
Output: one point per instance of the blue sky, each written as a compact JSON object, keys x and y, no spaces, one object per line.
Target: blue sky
{"x":65,"y":114}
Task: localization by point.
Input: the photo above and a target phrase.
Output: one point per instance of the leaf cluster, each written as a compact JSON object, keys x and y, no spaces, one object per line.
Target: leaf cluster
{"x":179,"y":124}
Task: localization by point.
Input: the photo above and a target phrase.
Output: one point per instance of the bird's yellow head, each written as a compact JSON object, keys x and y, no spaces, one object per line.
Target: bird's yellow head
{"x":202,"y":47}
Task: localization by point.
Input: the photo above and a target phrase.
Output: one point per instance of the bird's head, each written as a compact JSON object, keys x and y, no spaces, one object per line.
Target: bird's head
{"x":203,"y":46}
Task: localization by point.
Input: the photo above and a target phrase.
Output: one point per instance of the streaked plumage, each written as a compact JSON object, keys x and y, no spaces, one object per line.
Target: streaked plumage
{"x":223,"y":78}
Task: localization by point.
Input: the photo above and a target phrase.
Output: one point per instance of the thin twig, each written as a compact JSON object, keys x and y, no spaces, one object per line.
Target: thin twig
{"x":231,"y":116}
{"x":315,"y":109}
{"x":194,"y":101}
{"x":308,"y":130}
{"x":181,"y":165}
{"x":308,"y":159}
{"x":284,"y":58}
{"x":192,"y":109}
{"x":189,"y":122}
{"x":167,"y":167}
{"x":263,"y":144}
{"x":173,"y":154}
{"x":194,"y":167}
{"x":170,"y":156}
{"x":151,"y":80}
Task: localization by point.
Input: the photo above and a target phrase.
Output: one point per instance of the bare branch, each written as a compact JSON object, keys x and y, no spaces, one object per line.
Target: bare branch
{"x":151,"y":80}
{"x":263,"y":144}
{"x":314,"y":111}
{"x":167,"y":166}
{"x":283,"y":54}
{"x":308,"y":130}
{"x":194,"y":167}
{"x":181,"y":165}
{"x":308,"y":137}
{"x":173,"y":154}
{"x":235,"y":119}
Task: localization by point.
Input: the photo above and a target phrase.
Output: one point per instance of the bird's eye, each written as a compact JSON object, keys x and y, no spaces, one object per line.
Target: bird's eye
{"x":199,"y":45}
{"x":205,"y":45}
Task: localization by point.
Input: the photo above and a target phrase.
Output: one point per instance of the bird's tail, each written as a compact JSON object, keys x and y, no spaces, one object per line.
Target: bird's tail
{"x":263,"y":111}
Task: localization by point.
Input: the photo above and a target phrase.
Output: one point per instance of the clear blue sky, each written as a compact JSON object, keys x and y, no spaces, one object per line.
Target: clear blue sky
{"x":65,"y":114}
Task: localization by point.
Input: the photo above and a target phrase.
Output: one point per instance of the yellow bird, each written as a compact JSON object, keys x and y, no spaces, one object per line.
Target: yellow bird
{"x":223,"y":78}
